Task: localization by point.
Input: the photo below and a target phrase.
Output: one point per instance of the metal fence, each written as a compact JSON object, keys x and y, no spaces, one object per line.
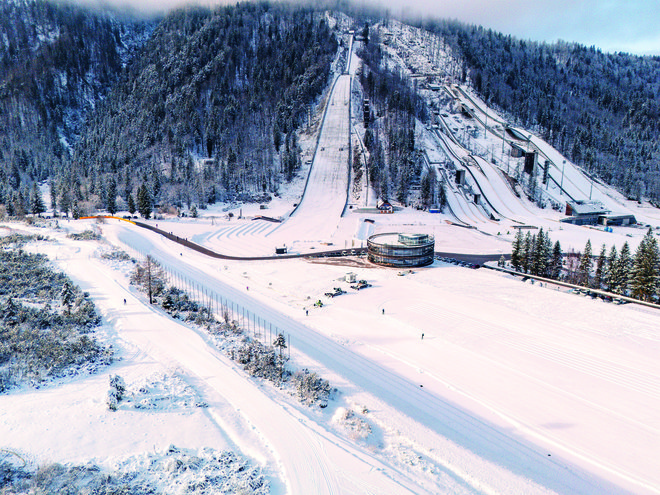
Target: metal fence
{"x":219,"y":305}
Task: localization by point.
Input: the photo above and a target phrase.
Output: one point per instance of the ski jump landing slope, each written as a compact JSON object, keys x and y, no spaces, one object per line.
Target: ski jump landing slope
{"x":326,"y":191}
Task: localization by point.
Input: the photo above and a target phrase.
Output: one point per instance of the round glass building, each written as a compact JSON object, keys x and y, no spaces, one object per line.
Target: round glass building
{"x":401,"y":250}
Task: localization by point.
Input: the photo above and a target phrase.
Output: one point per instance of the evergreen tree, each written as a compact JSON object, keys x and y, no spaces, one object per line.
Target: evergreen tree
{"x":144,"y":201}
{"x":53,"y":194}
{"x":280,"y":343}
{"x":610,"y":275}
{"x":528,"y":252}
{"x":64,"y":199}
{"x":644,"y":280}
{"x":443,"y":196}
{"x":541,"y":255}
{"x":601,"y":267}
{"x":586,"y":264}
{"x":76,"y":213}
{"x":428,"y":182}
{"x":131,"y":205}
{"x":19,"y":204}
{"x":547,"y":254}
{"x":36,"y":203}
{"x":10,"y":313}
{"x":67,"y":296}
{"x":557,"y":261}
{"x":111,"y":197}
{"x":517,"y":251}
{"x":622,"y":270}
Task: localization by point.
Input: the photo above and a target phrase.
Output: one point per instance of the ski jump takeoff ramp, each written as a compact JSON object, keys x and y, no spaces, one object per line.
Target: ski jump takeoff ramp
{"x":326,"y":191}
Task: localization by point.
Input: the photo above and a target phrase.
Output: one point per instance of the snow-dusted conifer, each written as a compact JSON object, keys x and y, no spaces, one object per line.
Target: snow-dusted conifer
{"x":601,"y":266}
{"x":646,"y":269}
{"x":67,"y":296}
{"x":586,"y":264}
{"x":556,"y":264}
{"x":37,"y":206}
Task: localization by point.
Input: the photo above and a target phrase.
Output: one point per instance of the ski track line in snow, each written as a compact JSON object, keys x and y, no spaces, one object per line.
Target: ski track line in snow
{"x":529,"y":429}
{"x":486,"y":330}
{"x":631,"y":378}
{"x":305,"y":460}
{"x":479,"y":437}
{"x":404,"y":388}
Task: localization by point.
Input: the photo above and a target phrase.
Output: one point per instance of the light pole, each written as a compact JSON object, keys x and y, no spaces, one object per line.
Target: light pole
{"x":561,"y":187}
{"x":486,"y":124}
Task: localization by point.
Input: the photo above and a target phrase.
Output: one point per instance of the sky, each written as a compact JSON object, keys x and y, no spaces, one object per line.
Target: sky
{"x":611,"y":25}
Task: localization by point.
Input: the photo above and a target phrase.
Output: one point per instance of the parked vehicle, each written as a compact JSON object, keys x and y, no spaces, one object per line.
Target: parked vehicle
{"x":361,"y":284}
{"x":338,"y":291}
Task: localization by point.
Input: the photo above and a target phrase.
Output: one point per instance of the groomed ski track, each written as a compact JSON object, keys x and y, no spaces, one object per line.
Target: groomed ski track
{"x":443,"y":418}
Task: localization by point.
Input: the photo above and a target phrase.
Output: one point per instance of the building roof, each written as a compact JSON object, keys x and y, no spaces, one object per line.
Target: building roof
{"x":580,"y":208}
{"x":402,"y":239}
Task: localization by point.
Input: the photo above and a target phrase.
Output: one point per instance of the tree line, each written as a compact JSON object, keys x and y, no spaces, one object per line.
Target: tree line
{"x":619,"y":271}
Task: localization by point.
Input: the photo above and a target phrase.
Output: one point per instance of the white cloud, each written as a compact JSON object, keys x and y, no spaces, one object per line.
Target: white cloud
{"x":612,"y":25}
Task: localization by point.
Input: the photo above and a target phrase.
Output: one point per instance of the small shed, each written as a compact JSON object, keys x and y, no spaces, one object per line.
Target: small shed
{"x":385,"y":207}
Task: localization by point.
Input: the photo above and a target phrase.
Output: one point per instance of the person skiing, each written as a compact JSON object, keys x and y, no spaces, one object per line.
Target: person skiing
{"x":383,"y":310}
{"x":124,"y":302}
{"x":422,"y":336}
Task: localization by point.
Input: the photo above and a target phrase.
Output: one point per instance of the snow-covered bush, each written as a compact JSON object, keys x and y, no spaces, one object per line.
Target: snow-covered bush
{"x":357,"y":427}
{"x":311,"y":388}
{"x":177,"y":303}
{"x":163,"y":392}
{"x":175,"y":471}
{"x":117,"y":384}
{"x":87,"y":235}
{"x":116,"y":255}
{"x":111,"y":400}
{"x":38,"y":340}
{"x":116,"y":392}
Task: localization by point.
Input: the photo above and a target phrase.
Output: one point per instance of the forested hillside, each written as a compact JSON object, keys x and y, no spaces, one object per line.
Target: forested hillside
{"x":56,"y":62}
{"x":393,"y":164}
{"x":202,"y":105}
{"x":229,"y":85}
{"x":601,"y":110}
{"x":97,"y":102}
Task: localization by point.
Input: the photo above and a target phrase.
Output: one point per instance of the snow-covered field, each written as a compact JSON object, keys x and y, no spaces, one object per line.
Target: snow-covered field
{"x":449,"y":380}
{"x":515,"y":388}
